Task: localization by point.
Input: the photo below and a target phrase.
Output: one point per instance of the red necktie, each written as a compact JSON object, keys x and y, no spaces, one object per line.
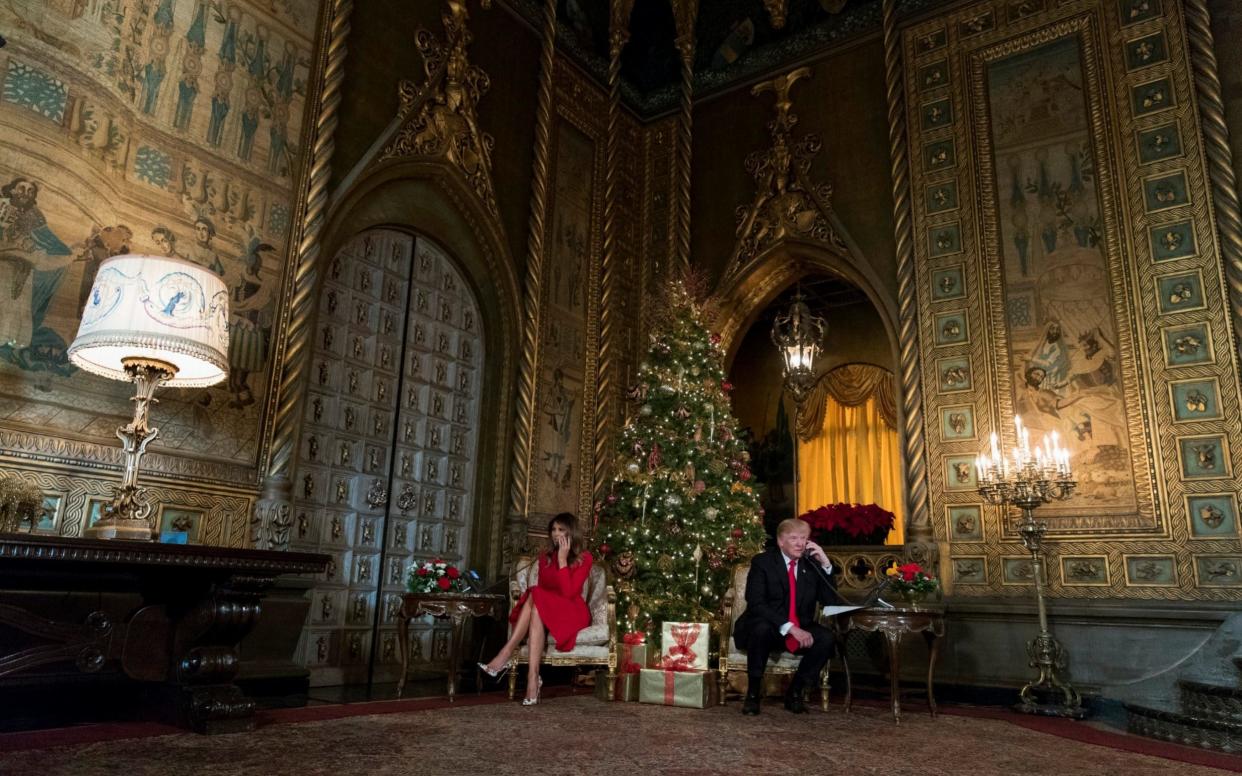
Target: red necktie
{"x":791,"y":643}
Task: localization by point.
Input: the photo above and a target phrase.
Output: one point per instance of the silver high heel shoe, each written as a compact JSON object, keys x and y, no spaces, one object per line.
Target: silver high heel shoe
{"x":535,"y":700}
{"x":493,"y":674}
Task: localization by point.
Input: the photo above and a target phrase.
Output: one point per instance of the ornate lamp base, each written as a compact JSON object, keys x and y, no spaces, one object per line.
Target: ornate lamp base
{"x":1049,"y":695}
{"x":120,"y":528}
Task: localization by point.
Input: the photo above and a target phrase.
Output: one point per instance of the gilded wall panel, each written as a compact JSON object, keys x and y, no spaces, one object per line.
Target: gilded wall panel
{"x":561,"y":466}
{"x":169,"y":127}
{"x":1068,"y":272}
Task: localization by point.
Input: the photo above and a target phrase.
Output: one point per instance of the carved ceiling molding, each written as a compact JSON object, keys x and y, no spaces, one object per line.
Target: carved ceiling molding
{"x":787,"y":203}
{"x":439,"y":118}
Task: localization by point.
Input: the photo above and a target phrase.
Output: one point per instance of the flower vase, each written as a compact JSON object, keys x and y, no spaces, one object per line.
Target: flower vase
{"x":913,"y":599}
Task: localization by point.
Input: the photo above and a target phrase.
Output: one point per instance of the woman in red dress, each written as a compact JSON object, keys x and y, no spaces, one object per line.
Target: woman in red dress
{"x":554,"y":606}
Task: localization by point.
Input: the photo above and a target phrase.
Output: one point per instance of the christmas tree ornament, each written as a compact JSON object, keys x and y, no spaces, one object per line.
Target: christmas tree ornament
{"x":673,"y":500}
{"x":665,"y":563}
{"x":711,"y":513}
{"x":632,"y":467}
{"x":645,"y":410}
{"x":694,"y":371}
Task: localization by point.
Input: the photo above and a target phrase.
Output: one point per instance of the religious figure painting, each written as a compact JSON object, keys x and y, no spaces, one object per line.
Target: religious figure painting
{"x":556,"y":470}
{"x":168,"y":127}
{"x":1063,"y":348}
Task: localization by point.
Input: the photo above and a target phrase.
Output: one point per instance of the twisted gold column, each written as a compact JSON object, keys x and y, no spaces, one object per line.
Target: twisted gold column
{"x":684,"y":14}
{"x":293,"y":359}
{"x":1219,"y":155}
{"x":618,"y":36}
{"x":915,"y":449}
{"x":519,"y":505}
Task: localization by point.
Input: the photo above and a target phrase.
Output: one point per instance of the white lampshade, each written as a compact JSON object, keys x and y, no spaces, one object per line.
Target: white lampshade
{"x":159,"y":308}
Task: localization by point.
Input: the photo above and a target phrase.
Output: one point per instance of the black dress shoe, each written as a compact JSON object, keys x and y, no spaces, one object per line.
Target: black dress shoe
{"x":794,"y":703}
{"x":750,"y":706}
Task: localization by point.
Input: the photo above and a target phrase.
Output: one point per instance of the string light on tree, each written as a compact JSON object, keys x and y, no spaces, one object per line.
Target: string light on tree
{"x":681,"y":511}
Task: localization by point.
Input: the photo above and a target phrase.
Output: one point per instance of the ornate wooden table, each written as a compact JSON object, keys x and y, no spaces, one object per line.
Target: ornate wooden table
{"x":895,"y":624}
{"x":76,"y":613}
{"x":456,"y":607}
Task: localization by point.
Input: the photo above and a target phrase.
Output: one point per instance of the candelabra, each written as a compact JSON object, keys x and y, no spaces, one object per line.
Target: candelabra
{"x":1036,"y":477}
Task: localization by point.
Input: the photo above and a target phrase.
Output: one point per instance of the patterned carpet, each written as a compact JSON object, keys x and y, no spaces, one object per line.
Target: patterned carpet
{"x":580,"y":735}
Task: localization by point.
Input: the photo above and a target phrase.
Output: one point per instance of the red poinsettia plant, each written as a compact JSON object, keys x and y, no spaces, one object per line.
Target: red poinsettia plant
{"x":434,"y":576}
{"x":910,"y":578}
{"x":834,"y":524}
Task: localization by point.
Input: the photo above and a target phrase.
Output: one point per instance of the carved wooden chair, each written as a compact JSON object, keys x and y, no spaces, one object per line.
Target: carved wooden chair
{"x":733,"y":659}
{"x":596,"y":645}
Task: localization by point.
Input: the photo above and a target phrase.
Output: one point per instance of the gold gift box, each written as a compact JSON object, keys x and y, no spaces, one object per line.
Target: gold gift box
{"x":625,"y":687}
{"x":688,"y":689}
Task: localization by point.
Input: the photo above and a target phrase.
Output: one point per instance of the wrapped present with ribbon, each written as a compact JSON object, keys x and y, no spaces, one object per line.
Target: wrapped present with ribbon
{"x":683,"y":646}
{"x":688,"y":689}
{"x":625,"y":688}
{"x":634,"y":653}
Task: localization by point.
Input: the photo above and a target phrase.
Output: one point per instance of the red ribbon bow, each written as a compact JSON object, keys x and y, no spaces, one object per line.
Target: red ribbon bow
{"x":681,"y":655}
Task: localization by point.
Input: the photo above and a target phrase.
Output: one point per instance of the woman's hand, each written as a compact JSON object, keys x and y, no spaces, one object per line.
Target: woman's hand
{"x":562,"y":550}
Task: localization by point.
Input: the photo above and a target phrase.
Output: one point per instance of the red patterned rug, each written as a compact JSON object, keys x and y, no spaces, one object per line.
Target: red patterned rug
{"x":579,"y":735}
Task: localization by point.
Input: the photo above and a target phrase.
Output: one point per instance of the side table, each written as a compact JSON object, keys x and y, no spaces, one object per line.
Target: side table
{"x":454,"y":606}
{"x":895,"y":624}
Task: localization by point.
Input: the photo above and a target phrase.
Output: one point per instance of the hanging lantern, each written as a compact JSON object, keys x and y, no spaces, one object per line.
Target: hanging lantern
{"x":798,"y":335}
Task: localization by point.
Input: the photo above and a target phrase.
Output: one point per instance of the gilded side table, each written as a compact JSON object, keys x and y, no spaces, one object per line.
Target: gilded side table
{"x":456,"y":607}
{"x":895,"y":624}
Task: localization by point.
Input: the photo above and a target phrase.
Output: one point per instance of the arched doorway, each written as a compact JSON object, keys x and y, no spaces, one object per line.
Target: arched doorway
{"x":388,"y":454}
{"x":831,"y":468}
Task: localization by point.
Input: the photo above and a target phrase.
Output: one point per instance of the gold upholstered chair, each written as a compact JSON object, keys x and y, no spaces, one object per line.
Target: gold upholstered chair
{"x":596,"y":645}
{"x":733,"y":659}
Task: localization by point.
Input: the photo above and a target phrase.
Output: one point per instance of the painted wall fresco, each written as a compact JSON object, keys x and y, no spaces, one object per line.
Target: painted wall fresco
{"x":1062,"y":355}
{"x":557,"y":466}
{"x":159,"y":126}
{"x":1068,"y":270}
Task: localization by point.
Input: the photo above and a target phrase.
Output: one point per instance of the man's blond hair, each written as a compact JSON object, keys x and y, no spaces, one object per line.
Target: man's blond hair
{"x":789,"y":525}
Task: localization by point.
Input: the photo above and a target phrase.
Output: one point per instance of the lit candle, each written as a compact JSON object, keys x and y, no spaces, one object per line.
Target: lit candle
{"x":995,"y":447}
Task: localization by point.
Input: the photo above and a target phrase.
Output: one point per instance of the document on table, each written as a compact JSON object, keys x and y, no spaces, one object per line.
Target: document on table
{"x":829,"y":611}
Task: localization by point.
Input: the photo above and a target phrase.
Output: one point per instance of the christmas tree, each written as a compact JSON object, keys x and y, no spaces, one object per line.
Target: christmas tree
{"x":681,"y":512}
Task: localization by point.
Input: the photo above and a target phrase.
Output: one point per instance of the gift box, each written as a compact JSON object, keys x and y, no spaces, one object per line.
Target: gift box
{"x":634,"y":654}
{"x":624,"y":688}
{"x":688,"y":689}
{"x":683,"y":646}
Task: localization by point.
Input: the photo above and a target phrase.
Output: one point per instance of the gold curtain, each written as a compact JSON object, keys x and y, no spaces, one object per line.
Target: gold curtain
{"x":853,"y":455}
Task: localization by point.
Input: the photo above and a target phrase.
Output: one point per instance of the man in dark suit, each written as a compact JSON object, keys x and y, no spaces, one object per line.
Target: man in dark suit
{"x":783,"y":592}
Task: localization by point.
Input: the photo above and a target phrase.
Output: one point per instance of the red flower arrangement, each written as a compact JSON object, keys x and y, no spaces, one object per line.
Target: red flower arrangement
{"x":433,"y":575}
{"x":834,"y":524}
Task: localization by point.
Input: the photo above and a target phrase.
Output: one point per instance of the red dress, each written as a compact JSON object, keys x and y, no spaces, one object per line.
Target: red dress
{"x":558,"y":599}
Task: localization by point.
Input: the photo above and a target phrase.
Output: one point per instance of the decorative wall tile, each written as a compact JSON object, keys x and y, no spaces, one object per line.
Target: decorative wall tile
{"x":944,"y":240}
{"x":1187,"y":345}
{"x":1077,"y":570}
{"x":1180,"y":292}
{"x":965,"y":522}
{"x":180,"y":520}
{"x":1151,"y":570}
{"x":959,"y":473}
{"x":1135,"y":11}
{"x":937,"y":114}
{"x":951,"y":329}
{"x":1152,"y":97}
{"x":1164,"y":191}
{"x":1018,"y":570}
{"x":957,"y":422}
{"x":940,"y":155}
{"x":942,"y":197}
{"x":948,"y":284}
{"x":1146,"y":51}
{"x":1157,"y":143}
{"x":954,"y":374}
{"x":1195,"y":400}
{"x":977,"y":24}
{"x":1172,"y":241}
{"x":1204,"y":457}
{"x":1212,"y":515}
{"x":1218,"y":570}
{"x":930,"y":41}
{"x":934,"y":75}
{"x":970,"y":570}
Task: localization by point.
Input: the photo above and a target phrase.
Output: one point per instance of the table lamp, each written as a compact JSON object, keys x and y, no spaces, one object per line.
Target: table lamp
{"x":153,"y":321}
